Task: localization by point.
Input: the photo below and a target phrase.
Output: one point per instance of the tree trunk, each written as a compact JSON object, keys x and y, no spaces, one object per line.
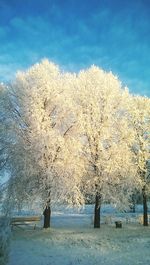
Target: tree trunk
{"x":133,"y":203}
{"x":145,"y":214}
{"x":97,"y":211}
{"x":47,"y":217}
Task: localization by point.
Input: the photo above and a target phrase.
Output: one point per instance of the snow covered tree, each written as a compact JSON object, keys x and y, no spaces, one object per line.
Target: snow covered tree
{"x":4,"y":125}
{"x":106,"y":138}
{"x":44,"y":103}
{"x":10,"y":141}
{"x":22,"y":186}
{"x":139,"y":109}
{"x":5,"y":140}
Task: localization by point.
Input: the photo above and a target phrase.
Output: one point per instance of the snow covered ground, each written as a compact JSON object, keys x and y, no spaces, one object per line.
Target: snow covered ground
{"x":72,"y":241}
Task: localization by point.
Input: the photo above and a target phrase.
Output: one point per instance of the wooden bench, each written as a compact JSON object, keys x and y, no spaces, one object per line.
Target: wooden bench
{"x":24,"y":220}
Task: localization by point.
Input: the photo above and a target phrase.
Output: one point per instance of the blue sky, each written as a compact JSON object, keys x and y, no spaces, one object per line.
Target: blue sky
{"x":113,"y":34}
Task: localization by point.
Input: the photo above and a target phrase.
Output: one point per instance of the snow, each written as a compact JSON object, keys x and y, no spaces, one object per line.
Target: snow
{"x":72,"y":240}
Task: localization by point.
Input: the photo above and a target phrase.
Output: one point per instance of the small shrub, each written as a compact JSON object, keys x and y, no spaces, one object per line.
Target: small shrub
{"x":4,"y":240}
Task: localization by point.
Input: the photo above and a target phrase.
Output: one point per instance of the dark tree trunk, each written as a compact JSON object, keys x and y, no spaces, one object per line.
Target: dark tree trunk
{"x":133,"y":203}
{"x":47,"y":217}
{"x":97,"y":211}
{"x":133,"y":208}
{"x":145,"y":209}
